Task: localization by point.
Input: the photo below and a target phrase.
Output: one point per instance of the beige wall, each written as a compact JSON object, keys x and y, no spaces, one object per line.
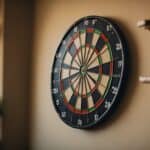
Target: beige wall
{"x":129,"y":128}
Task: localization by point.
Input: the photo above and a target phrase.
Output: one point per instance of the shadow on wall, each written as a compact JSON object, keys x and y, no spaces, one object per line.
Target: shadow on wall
{"x":131,"y":82}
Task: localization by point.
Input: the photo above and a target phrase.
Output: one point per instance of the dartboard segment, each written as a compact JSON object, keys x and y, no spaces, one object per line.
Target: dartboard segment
{"x":105,"y":56}
{"x":78,"y":104}
{"x":103,"y":84}
{"x":88,"y":71}
{"x":90,"y":102}
{"x":95,"y":69}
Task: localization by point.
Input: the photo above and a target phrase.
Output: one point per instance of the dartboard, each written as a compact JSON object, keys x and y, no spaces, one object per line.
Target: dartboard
{"x":88,"y":71}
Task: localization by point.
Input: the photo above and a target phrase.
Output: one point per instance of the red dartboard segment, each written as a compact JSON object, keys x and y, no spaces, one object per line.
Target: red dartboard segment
{"x":100,"y":101}
{"x":104,"y":38}
{"x":90,"y":30}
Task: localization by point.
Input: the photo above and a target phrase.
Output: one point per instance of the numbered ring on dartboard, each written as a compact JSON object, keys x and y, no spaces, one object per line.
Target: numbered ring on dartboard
{"x":88,"y":71}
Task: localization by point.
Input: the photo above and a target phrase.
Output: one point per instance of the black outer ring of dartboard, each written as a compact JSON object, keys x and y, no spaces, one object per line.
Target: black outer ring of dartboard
{"x":125,"y":73}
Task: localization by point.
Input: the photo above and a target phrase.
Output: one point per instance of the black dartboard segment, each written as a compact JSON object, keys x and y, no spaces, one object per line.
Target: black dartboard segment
{"x":87,"y":72}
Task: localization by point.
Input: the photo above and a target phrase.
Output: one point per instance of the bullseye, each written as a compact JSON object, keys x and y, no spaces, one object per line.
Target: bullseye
{"x":83,"y":70}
